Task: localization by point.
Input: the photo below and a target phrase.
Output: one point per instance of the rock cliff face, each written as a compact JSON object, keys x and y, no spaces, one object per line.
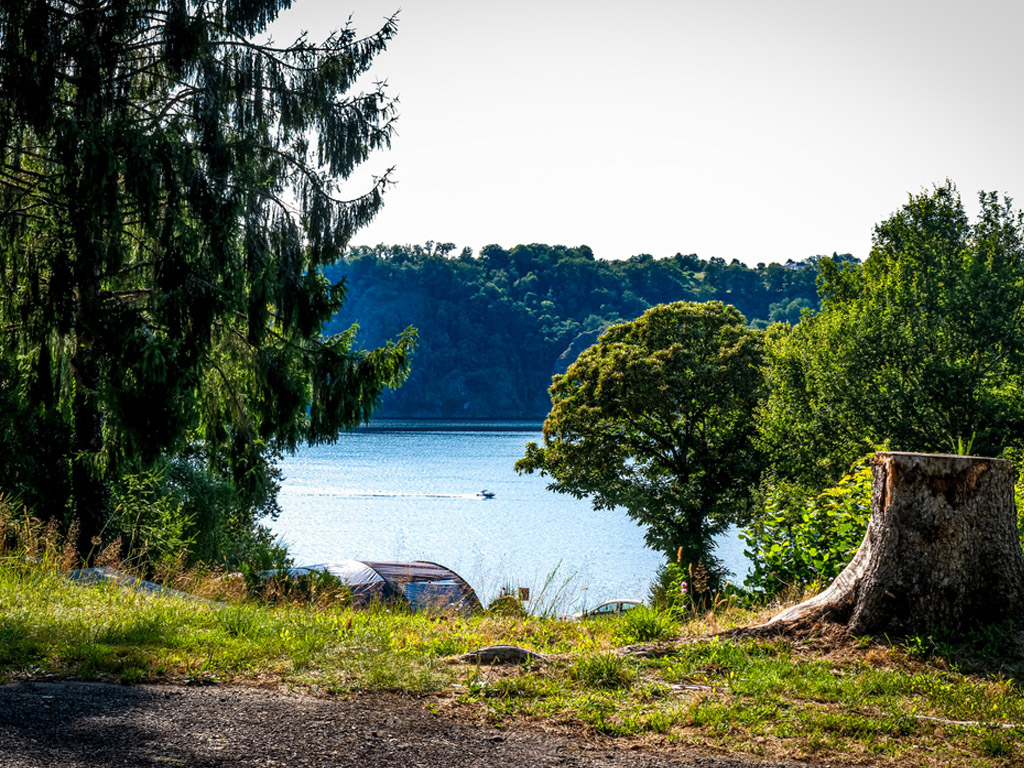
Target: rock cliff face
{"x":567,"y":358}
{"x":519,"y":391}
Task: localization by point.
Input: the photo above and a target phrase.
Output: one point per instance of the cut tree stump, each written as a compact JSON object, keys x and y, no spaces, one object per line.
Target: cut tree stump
{"x":941,"y":552}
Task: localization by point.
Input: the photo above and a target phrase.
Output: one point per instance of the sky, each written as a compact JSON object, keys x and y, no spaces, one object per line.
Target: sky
{"x":754,"y":130}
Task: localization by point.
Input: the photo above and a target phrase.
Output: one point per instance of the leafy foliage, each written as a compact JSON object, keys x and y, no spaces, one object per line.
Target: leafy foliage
{"x":921,"y":346}
{"x":655,"y":418}
{"x":494,"y":327}
{"x":151,"y":524}
{"x":169,"y":192}
{"x":801,"y":541}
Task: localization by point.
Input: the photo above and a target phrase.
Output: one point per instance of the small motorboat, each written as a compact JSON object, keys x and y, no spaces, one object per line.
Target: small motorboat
{"x":486,"y":494}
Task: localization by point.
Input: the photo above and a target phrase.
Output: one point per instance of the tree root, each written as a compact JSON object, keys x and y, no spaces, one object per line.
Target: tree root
{"x":971,"y":723}
{"x":499,"y":654}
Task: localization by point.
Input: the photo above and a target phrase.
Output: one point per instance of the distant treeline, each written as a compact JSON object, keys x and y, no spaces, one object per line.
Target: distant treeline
{"x":494,"y":327}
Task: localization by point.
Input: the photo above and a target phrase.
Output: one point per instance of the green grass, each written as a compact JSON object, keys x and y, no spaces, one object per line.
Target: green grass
{"x":865,"y":703}
{"x":644,"y":625}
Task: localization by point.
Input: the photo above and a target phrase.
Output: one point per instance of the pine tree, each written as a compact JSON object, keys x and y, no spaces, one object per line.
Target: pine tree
{"x":169,"y":193}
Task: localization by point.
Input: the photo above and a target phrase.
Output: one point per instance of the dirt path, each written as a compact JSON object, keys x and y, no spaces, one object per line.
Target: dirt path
{"x":97,"y":725}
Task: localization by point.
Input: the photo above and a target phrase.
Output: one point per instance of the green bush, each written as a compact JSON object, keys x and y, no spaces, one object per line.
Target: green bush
{"x":151,"y":525}
{"x":507,"y":604}
{"x":802,"y":540}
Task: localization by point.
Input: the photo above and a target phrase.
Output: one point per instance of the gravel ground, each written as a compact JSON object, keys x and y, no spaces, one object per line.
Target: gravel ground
{"x":89,"y":725}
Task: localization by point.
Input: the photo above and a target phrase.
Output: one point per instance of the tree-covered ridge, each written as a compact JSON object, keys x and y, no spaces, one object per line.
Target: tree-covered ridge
{"x":495,"y":327}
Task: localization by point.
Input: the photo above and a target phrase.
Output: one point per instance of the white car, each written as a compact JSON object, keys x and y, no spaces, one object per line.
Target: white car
{"x":610,"y":608}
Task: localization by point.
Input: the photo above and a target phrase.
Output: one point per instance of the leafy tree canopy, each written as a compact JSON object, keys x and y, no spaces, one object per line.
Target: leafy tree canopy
{"x":920,"y":348}
{"x":656,"y":418}
{"x":169,"y":192}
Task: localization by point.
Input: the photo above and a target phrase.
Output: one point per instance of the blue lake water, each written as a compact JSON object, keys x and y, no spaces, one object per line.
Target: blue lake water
{"x":401,"y":490}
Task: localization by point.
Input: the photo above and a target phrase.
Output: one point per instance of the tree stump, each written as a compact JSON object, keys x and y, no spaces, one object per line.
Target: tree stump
{"x":941,"y":552}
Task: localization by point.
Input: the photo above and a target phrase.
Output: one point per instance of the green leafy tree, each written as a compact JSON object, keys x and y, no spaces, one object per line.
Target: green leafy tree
{"x":169,"y":193}
{"x":656,"y":417}
{"x":919,"y":348}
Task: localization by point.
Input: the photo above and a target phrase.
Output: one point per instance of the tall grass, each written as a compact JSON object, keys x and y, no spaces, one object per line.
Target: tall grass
{"x":550,"y":596}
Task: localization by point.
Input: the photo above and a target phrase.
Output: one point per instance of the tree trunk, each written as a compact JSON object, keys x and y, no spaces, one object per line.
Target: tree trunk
{"x":941,"y":551}
{"x":90,"y":492}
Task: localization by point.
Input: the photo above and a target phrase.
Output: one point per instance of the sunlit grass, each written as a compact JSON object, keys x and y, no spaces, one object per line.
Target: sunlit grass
{"x":766,"y":699}
{"x":770,"y":698}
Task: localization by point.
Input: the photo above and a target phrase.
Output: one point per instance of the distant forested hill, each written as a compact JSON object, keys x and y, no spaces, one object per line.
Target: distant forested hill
{"x":495,"y":327}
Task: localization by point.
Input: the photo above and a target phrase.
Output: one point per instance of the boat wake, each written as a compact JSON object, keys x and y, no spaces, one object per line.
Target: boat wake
{"x":338,"y":493}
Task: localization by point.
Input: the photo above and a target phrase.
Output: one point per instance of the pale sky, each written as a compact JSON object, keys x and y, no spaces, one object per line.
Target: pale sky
{"x":758,"y":130}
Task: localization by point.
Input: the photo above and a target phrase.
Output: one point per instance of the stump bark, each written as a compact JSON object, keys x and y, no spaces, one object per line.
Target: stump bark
{"x":941,"y":552}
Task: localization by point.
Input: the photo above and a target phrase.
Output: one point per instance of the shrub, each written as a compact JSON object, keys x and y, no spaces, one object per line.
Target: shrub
{"x":151,"y":525}
{"x":801,"y":540}
{"x":507,"y":604}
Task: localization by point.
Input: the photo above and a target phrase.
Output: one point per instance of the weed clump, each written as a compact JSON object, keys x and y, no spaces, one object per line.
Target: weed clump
{"x":507,"y":604}
{"x":643,"y":625}
{"x":604,"y":670}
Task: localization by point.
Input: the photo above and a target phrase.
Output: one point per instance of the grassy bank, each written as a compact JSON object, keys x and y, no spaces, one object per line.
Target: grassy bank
{"x":920,"y":703}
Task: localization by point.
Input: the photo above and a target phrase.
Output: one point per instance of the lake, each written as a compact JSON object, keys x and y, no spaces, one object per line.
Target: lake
{"x":408,"y":490}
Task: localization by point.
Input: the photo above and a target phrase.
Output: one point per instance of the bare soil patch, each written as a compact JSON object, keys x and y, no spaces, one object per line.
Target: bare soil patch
{"x":92,"y":725}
